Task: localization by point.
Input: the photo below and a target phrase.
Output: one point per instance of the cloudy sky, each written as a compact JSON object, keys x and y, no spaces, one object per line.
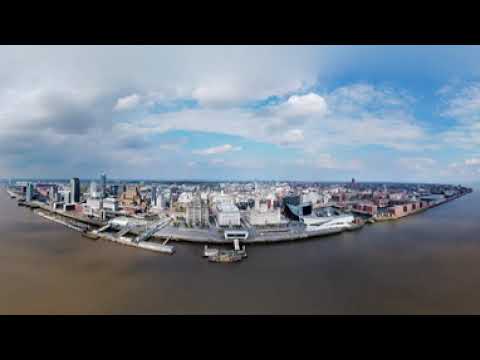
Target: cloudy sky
{"x":406,"y":113}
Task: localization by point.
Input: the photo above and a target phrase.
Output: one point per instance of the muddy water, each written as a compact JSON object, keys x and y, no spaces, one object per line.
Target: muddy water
{"x":428,"y":263}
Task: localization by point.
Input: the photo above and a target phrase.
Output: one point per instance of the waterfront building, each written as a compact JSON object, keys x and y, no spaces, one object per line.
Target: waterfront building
{"x":103,"y":185}
{"x":29,"y":192}
{"x":227,"y":215}
{"x":94,"y":203}
{"x":131,"y":197}
{"x":312,"y":196}
{"x":327,"y":223}
{"x":67,"y":196}
{"x":294,"y":209}
{"x":75,"y":190}
{"x":185,"y":198}
{"x":154,"y":196}
{"x":161,"y":201}
{"x":264,"y":216}
{"x":110,"y":204}
{"x":114,"y":190}
{"x":52,"y":194}
{"x":365,"y":208}
{"x":197,"y":212}
{"x":94,"y":190}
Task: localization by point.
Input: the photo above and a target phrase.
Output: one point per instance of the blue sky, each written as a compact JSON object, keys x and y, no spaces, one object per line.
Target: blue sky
{"x":321,"y":113}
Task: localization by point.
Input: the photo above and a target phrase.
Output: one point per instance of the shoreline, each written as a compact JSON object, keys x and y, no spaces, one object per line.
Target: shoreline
{"x":196,"y":236}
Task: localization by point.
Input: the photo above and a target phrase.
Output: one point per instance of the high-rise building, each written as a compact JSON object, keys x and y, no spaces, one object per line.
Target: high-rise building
{"x":75,"y":190}
{"x":29,"y":192}
{"x":53,"y":194}
{"x":103,"y":184}
{"x":93,"y":190}
{"x":154,"y":196}
{"x":67,"y":196}
{"x":197,"y":212}
{"x":115,"y":189}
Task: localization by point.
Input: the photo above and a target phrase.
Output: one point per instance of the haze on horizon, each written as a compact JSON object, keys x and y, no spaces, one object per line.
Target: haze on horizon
{"x":314,"y":113}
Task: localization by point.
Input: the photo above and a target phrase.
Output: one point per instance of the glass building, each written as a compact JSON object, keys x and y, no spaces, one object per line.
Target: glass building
{"x":75,"y":190}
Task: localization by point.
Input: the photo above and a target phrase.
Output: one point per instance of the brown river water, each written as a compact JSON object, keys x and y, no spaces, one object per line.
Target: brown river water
{"x":424,"y":264}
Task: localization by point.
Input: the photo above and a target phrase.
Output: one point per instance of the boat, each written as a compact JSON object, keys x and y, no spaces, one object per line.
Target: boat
{"x":209,"y":252}
{"x":90,"y":235}
{"x":226,"y":257}
{"x":357,"y":224}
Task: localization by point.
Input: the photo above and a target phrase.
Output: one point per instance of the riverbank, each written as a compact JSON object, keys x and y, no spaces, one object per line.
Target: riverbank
{"x":199,"y":236}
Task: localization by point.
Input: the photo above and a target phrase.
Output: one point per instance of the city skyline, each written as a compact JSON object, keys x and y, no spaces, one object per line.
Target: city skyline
{"x":308,"y":113}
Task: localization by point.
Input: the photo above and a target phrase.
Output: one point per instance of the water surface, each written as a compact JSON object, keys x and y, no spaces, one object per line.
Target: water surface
{"x":425,"y":264}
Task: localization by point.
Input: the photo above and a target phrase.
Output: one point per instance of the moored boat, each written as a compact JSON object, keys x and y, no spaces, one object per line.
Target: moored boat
{"x":209,"y":252}
{"x":90,"y":235}
{"x":225,"y":258}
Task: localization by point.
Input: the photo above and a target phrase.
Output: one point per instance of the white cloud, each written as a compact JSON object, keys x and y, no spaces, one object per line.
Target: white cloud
{"x":473,"y":161}
{"x":303,"y":105}
{"x":417,"y":163}
{"x":217,"y":150}
{"x":217,"y":161}
{"x":464,"y":105}
{"x":327,"y":161}
{"x":127,"y":103}
{"x":294,"y":136}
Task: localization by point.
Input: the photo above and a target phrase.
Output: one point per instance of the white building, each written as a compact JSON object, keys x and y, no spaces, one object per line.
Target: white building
{"x":110,"y":204}
{"x":396,"y":196}
{"x":161,"y":202}
{"x":95,"y":204}
{"x":227,"y":214}
{"x":94,"y":190}
{"x":221,"y":199}
{"x":185,"y":197}
{"x":264,"y":216}
{"x":197,"y":212}
{"x":67,"y":196}
{"x":312,"y":196}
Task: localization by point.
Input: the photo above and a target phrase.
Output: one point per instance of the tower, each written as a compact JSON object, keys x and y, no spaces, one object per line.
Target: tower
{"x":154,"y":196}
{"x":103,"y":184}
{"x":75,"y":190}
{"x":29,"y":192}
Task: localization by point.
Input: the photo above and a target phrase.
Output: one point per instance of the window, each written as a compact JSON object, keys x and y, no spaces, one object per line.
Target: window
{"x":404,"y":209}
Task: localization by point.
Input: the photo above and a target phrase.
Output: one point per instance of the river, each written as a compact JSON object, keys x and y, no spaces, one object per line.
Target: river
{"x":424,"y":264}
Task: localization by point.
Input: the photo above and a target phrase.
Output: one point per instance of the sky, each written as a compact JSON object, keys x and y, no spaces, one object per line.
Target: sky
{"x":312,"y":113}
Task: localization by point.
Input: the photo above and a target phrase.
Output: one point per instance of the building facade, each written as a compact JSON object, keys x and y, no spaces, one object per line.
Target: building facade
{"x":75,"y":190}
{"x":227,"y":215}
{"x":197,"y":212}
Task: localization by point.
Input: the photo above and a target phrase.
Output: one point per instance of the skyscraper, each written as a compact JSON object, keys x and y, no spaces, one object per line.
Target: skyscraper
{"x":103,"y":184}
{"x":29,"y":192}
{"x":75,"y":190}
{"x":154,"y":196}
{"x":93,"y":189}
{"x":53,"y":194}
